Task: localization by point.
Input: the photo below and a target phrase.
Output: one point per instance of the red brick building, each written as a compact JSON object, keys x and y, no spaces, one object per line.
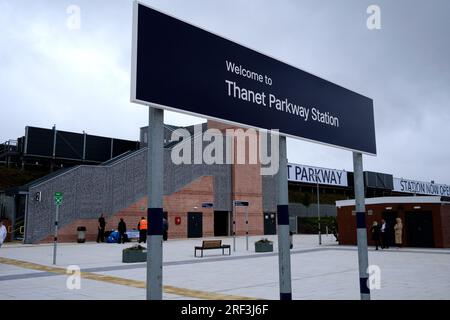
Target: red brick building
{"x":426,"y":220}
{"x":183,"y":208}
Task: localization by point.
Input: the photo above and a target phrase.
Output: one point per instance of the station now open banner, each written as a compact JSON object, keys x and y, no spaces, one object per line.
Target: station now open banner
{"x":307,"y":174}
{"x":180,"y":67}
{"x":421,"y":187}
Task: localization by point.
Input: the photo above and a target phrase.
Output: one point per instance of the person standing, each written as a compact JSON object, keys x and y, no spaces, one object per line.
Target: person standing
{"x":165,"y":228}
{"x":101,"y":229}
{"x":121,"y":228}
{"x":384,"y":235}
{"x":375,"y":229}
{"x":142,"y":227}
{"x":398,"y":229}
{"x":3,"y":233}
{"x":335,"y":229}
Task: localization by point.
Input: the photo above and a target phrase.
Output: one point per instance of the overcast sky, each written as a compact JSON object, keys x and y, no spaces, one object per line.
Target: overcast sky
{"x":80,"y":79}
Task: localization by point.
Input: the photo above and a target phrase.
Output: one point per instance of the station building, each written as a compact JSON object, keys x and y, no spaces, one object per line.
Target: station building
{"x":199,"y":198}
{"x":425,"y":219}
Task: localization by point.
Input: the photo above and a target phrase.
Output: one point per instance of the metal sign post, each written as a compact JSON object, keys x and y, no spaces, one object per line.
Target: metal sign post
{"x":58,"y":201}
{"x":284,"y":252}
{"x":363,"y":259}
{"x":234,"y":229}
{"x":246,"y":228}
{"x":318,"y":212}
{"x":155,"y":172}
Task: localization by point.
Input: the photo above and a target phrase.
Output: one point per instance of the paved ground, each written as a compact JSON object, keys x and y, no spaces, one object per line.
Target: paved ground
{"x":318,"y":272}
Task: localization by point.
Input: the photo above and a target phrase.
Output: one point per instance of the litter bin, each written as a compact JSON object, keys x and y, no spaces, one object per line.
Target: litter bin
{"x":81,"y":234}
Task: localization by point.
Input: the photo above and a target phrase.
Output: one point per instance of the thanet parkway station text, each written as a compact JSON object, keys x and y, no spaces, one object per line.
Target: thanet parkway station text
{"x":283,"y":105}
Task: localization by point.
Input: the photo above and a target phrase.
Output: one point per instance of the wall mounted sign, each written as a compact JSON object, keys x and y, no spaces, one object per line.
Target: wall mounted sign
{"x":307,"y":174}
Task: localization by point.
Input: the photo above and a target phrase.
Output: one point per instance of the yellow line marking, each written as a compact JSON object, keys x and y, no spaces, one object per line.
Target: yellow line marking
{"x":126,"y":282}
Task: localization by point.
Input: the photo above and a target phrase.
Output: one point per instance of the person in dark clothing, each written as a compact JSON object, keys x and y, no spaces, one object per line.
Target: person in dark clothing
{"x":384,"y":234}
{"x":165,"y":228}
{"x":121,"y":228}
{"x":335,"y":229}
{"x":101,"y":229}
{"x":375,"y":230}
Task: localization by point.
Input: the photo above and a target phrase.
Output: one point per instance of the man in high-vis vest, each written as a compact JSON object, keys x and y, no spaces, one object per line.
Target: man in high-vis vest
{"x":142,"y":227}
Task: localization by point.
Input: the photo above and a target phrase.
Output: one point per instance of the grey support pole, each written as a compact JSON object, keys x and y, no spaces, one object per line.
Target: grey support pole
{"x":284,"y":252}
{"x":84,"y":145}
{"x":155,"y":172}
{"x":54,"y":142}
{"x":55,"y":239}
{"x":112,"y":148}
{"x":246,"y":228}
{"x":52,"y":162}
{"x":363,"y":259}
{"x":318,"y":212}
{"x":25,"y":220}
{"x":234,"y":227}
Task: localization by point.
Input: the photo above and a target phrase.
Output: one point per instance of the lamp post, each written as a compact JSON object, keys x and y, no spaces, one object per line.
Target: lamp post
{"x":318,"y":210}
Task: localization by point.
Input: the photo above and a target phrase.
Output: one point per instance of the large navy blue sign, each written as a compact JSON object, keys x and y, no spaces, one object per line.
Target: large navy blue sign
{"x":180,"y":67}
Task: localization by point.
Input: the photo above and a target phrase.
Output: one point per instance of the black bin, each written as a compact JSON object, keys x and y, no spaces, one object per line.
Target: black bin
{"x":81,"y":234}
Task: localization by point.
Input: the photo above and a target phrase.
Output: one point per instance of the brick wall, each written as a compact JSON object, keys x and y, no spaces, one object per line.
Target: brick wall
{"x":177,"y":204}
{"x":445,"y":225}
{"x":440,"y":215}
{"x":247,"y":185}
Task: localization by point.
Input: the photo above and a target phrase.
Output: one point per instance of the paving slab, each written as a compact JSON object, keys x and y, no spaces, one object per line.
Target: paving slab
{"x":328,"y":271}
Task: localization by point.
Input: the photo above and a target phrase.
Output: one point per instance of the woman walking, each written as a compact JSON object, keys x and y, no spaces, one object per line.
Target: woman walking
{"x":398,"y":229}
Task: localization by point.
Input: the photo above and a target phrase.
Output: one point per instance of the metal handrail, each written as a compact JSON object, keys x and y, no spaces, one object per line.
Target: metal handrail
{"x":8,"y":145}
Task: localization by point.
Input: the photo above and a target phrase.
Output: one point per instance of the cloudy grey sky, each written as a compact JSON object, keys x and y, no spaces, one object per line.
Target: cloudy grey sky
{"x":80,"y":79}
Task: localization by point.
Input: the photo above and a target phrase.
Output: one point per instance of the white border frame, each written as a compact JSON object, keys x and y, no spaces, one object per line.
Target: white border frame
{"x":133,"y":98}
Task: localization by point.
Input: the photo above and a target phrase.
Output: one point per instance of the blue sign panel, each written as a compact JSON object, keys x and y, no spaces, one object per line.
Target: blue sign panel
{"x":180,"y":67}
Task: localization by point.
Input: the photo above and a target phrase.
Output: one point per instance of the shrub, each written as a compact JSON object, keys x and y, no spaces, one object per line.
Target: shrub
{"x":264,"y":240}
{"x":136,"y":247}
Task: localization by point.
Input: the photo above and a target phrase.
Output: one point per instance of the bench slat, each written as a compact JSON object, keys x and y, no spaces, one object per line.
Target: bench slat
{"x":212,"y":244}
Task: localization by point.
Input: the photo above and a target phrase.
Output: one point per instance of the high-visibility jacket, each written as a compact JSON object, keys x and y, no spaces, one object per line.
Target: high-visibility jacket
{"x":143,"y":224}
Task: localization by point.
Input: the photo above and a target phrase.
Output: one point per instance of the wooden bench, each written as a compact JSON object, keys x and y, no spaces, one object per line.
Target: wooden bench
{"x":212,"y":244}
